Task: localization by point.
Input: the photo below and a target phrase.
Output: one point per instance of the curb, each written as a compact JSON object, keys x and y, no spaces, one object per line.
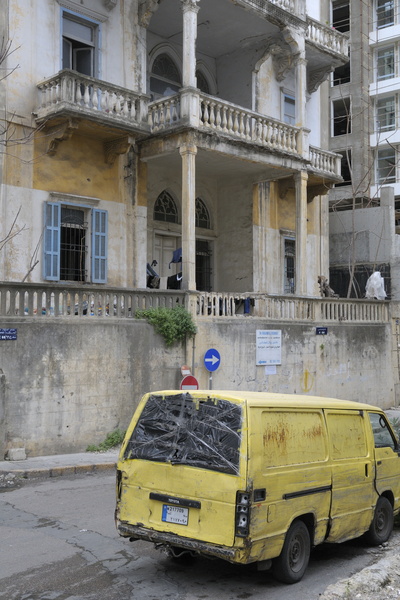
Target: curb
{"x":58,"y":471}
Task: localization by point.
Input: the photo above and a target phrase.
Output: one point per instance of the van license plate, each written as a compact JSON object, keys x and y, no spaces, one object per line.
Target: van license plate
{"x":175,"y":514}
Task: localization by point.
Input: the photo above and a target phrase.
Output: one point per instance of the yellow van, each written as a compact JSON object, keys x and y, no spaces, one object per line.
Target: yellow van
{"x":256,"y":477}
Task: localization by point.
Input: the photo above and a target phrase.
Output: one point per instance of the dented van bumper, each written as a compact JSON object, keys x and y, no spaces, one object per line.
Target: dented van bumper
{"x":136,"y":532}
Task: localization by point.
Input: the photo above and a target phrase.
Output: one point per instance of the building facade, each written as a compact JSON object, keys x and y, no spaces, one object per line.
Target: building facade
{"x":184,"y":134}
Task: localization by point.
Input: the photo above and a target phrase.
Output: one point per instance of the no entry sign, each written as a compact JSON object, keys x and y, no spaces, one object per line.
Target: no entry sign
{"x":189,"y":383}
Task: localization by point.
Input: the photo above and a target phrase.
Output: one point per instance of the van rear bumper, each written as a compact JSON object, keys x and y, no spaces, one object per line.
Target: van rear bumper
{"x":157,"y":537}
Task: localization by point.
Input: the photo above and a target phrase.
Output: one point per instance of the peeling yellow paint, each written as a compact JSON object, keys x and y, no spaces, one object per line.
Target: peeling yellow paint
{"x":77,"y":167}
{"x":307,"y":381}
{"x":142,"y":184}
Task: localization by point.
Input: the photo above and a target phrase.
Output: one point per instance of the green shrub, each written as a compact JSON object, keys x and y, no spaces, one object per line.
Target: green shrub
{"x":173,"y":324}
{"x":113,"y":439}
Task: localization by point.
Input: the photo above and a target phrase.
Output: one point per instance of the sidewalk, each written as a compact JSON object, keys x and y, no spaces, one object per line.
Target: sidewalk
{"x":83,"y":462}
{"x":60,"y":464}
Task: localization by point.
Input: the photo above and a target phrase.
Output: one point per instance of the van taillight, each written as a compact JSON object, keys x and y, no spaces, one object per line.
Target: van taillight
{"x":242,"y":514}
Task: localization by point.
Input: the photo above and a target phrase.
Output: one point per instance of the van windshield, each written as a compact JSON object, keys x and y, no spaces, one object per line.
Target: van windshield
{"x":200,"y":432}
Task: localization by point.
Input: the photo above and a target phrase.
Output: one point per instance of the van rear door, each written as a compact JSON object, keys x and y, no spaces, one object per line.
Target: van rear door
{"x":182,"y":463}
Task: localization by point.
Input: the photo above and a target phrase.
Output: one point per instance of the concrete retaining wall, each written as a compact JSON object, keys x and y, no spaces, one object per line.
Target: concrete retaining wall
{"x":67,"y":385}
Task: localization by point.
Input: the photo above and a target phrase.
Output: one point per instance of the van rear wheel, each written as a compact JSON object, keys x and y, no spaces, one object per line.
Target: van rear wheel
{"x":382,"y":523}
{"x":290,"y":565}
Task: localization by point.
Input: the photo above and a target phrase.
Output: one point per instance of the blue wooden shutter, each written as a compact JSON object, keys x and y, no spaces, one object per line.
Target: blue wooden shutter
{"x":99,"y":245}
{"x":51,"y":241}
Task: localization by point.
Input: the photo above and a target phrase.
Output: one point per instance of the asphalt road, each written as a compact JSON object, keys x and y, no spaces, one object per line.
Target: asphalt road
{"x":58,"y":542}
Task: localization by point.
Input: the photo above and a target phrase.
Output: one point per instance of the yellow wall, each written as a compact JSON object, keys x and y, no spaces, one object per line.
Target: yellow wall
{"x":78,"y":167}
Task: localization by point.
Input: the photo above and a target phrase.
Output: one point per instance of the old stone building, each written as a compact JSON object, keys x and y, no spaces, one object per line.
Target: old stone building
{"x":147,"y":127}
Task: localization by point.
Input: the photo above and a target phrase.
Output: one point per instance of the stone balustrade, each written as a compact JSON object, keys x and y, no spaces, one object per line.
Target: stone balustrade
{"x":164,"y":113}
{"x":82,"y":93}
{"x":54,"y":301}
{"x":238,"y":122}
{"x":326,"y":37}
{"x":229,"y":119}
{"x":325,"y":161}
{"x":287,"y":308}
{"x":31,"y":300}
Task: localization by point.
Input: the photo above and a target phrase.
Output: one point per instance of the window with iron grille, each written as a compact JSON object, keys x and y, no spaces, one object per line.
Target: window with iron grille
{"x":203,"y":266}
{"x":73,"y":245}
{"x":67,"y":253}
{"x":289,"y":265}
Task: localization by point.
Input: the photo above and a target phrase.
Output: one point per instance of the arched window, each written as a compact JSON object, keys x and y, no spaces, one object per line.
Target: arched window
{"x":165,"y":78}
{"x":202,"y":82}
{"x":202,"y":215}
{"x":165,"y":208}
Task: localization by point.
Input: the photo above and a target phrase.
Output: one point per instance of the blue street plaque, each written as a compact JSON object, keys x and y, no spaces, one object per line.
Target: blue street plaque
{"x":212,"y":360}
{"x":321,"y":331}
{"x":8,"y":334}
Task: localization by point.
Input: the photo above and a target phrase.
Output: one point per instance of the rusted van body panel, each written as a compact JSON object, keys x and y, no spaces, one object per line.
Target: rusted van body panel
{"x":227,"y":473}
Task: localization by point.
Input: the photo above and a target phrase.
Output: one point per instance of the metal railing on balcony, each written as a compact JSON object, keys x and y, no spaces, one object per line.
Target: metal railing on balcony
{"x":84,"y":94}
{"x":32,"y":301}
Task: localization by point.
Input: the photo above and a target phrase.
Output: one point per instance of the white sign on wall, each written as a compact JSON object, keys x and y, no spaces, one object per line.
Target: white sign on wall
{"x":268,"y":347}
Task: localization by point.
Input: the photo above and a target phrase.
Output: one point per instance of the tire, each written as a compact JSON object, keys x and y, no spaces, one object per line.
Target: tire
{"x":290,"y":565}
{"x":382,"y":523}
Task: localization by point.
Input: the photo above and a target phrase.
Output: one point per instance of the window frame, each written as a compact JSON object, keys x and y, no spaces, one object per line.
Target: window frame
{"x":171,"y":86}
{"x":288,"y":98}
{"x":391,"y":126}
{"x":289,"y":287}
{"x":388,"y":178}
{"x":378,"y":19}
{"x":344,"y":25}
{"x":93,"y":46}
{"x":98,"y":237}
{"x":392,"y":74}
{"x":346,"y":158}
{"x":337,"y":117}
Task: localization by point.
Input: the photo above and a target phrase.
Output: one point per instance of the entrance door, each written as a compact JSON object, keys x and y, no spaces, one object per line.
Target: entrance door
{"x":164,"y":247}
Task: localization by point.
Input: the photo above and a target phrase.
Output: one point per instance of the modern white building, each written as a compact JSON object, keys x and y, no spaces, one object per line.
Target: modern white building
{"x":365,"y":130}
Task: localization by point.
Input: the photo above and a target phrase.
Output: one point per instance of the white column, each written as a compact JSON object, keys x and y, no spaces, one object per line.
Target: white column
{"x":190,"y":10}
{"x":261,"y":222}
{"x":188,"y":153}
{"x":301,"y":233}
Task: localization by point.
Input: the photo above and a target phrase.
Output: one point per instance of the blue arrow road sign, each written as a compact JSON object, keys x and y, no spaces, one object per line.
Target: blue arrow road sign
{"x":212,"y":360}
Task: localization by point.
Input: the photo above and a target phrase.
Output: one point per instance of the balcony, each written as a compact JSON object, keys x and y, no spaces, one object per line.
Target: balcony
{"x":115,"y":109}
{"x":72,"y":95}
{"x":240,"y":124}
{"x":327,"y":38}
{"x":48,"y":302}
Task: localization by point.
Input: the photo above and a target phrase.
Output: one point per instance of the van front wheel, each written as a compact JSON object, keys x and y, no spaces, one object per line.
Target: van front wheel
{"x":290,"y":565}
{"x":382,"y":523}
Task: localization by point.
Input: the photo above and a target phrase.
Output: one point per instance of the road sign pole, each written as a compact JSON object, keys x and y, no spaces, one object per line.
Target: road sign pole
{"x":210,"y":382}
